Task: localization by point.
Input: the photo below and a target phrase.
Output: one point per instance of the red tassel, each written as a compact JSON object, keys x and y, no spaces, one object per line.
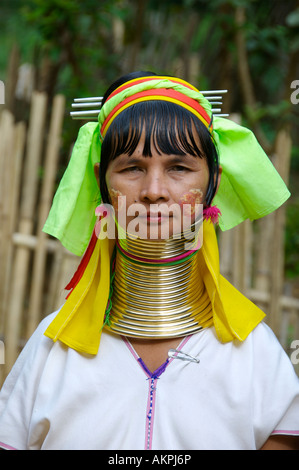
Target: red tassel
{"x":101,"y":211}
{"x":212,"y":213}
{"x":84,"y":262}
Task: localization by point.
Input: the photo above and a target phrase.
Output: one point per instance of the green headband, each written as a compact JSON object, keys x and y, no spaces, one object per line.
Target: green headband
{"x":137,"y":86}
{"x":250,"y":186}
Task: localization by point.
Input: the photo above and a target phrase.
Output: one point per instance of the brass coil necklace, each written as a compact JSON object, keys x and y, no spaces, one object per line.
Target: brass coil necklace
{"x":157,"y":290}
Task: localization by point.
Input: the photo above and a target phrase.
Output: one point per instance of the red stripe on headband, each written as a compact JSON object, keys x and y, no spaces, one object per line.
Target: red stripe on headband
{"x":146,"y":79}
{"x":165,"y":92}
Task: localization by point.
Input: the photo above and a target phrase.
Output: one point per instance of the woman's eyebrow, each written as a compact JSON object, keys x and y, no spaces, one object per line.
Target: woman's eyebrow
{"x":125,"y":159}
{"x":134,"y":160}
{"x":181,"y":158}
{"x":186,"y":159}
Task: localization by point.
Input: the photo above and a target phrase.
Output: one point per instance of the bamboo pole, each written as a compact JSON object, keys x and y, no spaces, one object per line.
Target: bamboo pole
{"x":225,"y":253}
{"x":64,"y":265}
{"x":7,"y":162}
{"x":282,"y":158}
{"x":54,"y":278}
{"x":26,"y":223}
{"x":51,"y":161}
{"x":13,"y":193}
{"x":242,"y":255}
{"x":26,"y":240}
{"x":264,"y":249}
{"x":6,"y":140}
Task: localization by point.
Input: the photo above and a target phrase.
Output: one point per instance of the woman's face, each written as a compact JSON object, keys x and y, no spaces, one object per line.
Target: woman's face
{"x":150,"y":186}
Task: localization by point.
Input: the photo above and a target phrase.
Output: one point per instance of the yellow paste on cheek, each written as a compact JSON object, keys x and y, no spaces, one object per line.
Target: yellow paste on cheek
{"x":190,"y":199}
{"x":117,"y":200}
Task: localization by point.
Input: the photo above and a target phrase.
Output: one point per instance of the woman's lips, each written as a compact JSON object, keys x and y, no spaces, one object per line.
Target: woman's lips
{"x":157,"y":216}
{"x":154,"y":218}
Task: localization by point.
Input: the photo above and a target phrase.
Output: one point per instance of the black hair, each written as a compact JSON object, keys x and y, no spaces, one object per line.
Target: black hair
{"x":168,"y":127}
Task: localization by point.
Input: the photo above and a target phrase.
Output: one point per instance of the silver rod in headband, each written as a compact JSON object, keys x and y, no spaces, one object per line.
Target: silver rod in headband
{"x":85,"y":112}
{"x":82,"y":100}
{"x":210,"y":92}
{"x":86,"y":104}
{"x":212,"y":98}
{"x":99,"y":98}
{"x":81,"y":105}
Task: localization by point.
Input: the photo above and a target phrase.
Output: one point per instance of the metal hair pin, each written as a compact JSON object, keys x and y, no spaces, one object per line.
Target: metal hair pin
{"x":89,"y":108}
{"x":175,"y":354}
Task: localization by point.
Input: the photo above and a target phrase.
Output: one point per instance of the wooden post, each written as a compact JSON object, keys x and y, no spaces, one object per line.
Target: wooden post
{"x":242,"y":249}
{"x":12,"y":78}
{"x":264,"y":239}
{"x":63,"y":267}
{"x":282,"y":157}
{"x":26,"y":223}
{"x":225,"y":253}
{"x":7,"y":162}
{"x":13,"y":166}
{"x":12,"y":138}
{"x":50,"y":168}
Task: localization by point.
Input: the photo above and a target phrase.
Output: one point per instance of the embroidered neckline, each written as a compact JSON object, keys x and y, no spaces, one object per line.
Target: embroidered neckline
{"x":153,"y":378}
{"x":156,"y":373}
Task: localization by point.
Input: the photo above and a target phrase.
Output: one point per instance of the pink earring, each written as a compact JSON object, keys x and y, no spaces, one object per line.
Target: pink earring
{"x":212,"y":213}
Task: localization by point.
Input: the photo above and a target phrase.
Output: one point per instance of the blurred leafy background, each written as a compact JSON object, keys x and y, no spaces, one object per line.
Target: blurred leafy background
{"x":250,"y":47}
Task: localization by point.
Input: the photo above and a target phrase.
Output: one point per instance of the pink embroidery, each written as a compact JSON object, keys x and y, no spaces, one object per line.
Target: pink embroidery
{"x":5,"y":446}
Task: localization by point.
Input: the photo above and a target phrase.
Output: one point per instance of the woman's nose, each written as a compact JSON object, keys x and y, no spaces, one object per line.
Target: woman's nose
{"x":154,"y":189}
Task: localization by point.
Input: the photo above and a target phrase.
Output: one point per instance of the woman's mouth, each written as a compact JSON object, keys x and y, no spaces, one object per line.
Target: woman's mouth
{"x":157,"y":217}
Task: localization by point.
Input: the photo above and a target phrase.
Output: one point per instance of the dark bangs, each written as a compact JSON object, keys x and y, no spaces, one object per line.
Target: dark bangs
{"x":168,"y":128}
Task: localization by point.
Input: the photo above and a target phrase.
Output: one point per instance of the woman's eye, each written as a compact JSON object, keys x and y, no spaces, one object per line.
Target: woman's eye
{"x":179,"y":168}
{"x":132,"y":169}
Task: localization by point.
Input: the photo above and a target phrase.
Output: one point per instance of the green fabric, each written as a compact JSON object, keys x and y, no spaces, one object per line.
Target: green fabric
{"x":72,"y":215}
{"x":250,"y":186}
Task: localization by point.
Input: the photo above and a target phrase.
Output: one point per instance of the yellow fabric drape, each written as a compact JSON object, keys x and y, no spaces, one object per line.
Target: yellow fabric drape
{"x":79,"y":322}
{"x":234,"y":315}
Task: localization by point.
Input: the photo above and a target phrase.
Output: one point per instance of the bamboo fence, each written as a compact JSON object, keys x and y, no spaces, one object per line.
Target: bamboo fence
{"x":35,"y":268}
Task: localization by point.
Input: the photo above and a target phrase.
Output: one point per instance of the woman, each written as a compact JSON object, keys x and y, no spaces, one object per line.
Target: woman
{"x":153,"y":348}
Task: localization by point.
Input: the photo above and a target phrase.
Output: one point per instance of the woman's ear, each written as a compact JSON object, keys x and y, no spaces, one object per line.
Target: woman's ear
{"x":96,"y":170}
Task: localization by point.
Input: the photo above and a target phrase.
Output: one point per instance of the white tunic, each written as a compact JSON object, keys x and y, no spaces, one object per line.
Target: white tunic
{"x":234,"y":398}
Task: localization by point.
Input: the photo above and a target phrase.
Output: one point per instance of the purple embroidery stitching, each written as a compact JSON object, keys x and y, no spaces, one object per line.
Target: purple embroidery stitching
{"x":153,"y":378}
